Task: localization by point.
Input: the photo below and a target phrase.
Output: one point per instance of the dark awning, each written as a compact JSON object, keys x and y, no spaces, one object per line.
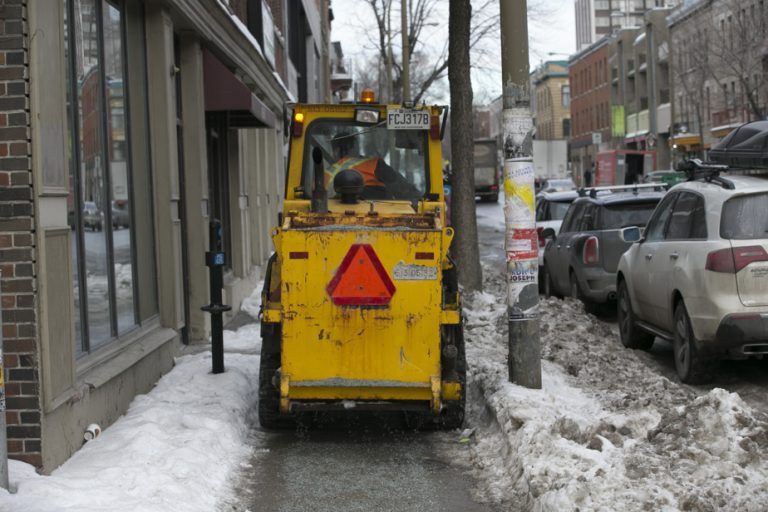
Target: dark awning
{"x":224,"y":92}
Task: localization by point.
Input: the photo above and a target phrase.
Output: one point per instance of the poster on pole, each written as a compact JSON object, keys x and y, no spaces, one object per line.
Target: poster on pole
{"x":521,"y":240}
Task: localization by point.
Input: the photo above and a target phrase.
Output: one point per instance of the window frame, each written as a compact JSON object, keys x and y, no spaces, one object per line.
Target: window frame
{"x":84,"y":344}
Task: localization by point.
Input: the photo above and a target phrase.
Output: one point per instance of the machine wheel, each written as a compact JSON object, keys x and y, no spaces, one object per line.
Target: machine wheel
{"x":631,"y":335}
{"x":452,"y":415}
{"x":269,"y":392}
{"x":691,"y":367}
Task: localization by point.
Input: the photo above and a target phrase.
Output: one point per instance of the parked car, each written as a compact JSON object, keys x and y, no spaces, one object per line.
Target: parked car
{"x":698,"y":275}
{"x":557,"y":185}
{"x":581,"y":260}
{"x":550,"y":211}
{"x":121,"y":216}
{"x":93,"y":217}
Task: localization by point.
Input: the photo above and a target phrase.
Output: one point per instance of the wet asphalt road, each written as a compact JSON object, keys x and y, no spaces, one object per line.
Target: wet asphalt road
{"x":350,"y":462}
{"x":358,"y":462}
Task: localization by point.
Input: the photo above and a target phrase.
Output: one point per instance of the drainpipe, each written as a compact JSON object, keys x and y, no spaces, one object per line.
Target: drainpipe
{"x":3,"y":434}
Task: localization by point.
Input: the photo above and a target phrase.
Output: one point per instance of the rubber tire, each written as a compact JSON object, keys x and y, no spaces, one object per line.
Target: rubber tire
{"x":549,"y":286}
{"x":691,"y":367}
{"x":631,"y":335}
{"x":452,"y":415}
{"x":574,"y":292}
{"x":269,"y":394}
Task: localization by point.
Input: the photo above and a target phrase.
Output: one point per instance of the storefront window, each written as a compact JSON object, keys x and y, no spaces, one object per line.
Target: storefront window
{"x":100,"y":173}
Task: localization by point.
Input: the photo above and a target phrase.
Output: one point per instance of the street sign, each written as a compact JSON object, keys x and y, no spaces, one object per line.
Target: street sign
{"x":597,"y":138}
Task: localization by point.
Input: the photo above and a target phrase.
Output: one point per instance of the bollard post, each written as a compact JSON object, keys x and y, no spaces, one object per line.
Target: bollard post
{"x":3,"y":434}
{"x":215,"y":259}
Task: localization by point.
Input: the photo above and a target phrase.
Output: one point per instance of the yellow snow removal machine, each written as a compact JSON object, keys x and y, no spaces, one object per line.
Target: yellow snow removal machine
{"x":360,"y":308}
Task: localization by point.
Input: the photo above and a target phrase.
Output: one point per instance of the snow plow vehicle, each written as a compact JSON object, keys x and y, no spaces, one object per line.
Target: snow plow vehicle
{"x":360,"y":307}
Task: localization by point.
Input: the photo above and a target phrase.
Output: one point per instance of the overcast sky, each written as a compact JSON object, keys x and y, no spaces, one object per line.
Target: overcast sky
{"x":554,"y":32}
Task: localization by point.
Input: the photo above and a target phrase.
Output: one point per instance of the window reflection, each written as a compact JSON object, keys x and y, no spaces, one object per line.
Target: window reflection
{"x":99,"y":198}
{"x":118,"y":168}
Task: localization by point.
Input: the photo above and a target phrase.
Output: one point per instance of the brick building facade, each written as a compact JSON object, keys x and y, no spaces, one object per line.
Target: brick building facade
{"x":111,"y":169}
{"x":17,"y":247}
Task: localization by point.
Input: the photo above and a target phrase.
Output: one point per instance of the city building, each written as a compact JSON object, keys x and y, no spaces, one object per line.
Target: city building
{"x":125,"y":128}
{"x":341,"y":77}
{"x":719,"y":59}
{"x":551,"y":90}
{"x":597,"y":18}
{"x":550,"y":105}
{"x":590,"y":89}
{"x":640,"y":110}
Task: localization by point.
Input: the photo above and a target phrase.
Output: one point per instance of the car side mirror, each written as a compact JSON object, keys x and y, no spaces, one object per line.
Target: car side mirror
{"x":631,"y":234}
{"x":548,"y":233}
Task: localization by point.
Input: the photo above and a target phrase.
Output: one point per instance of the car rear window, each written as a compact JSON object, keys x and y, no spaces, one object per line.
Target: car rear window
{"x":745,"y":217}
{"x":557,"y":209}
{"x":617,"y":216}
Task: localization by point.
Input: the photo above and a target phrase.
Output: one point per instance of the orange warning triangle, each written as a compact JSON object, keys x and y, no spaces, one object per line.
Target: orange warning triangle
{"x":361,"y":279}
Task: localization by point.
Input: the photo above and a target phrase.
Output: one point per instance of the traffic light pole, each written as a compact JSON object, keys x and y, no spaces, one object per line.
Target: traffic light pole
{"x":521,"y":241}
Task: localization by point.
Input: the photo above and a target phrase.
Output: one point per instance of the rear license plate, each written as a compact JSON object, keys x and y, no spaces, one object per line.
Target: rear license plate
{"x":407,"y":119}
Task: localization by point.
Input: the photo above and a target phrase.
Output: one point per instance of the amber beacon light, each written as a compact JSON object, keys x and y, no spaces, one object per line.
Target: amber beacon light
{"x":368,"y":96}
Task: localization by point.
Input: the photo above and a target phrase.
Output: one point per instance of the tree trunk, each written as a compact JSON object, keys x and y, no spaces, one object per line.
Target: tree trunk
{"x":465,"y":248}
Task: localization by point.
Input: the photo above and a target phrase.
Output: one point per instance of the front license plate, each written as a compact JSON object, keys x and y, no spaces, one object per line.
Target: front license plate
{"x":407,"y":119}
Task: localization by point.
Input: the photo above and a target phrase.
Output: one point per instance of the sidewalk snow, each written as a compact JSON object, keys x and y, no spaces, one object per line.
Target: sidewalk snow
{"x":606,"y":432}
{"x":176,"y":447}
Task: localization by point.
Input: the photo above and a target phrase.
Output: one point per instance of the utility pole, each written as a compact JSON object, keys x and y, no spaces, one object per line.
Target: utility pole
{"x":521,"y":241}
{"x":390,"y":92}
{"x":406,"y":78}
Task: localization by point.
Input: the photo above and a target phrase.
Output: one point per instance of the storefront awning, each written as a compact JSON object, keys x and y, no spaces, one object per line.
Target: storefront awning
{"x":224,"y":92}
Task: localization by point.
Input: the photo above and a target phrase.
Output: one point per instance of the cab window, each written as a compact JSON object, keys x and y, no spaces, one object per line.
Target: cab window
{"x":397,"y":159}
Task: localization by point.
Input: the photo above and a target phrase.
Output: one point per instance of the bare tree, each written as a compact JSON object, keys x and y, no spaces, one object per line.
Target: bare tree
{"x":690,"y":70}
{"x":429,"y":65}
{"x":738,"y":50}
{"x":465,"y":246}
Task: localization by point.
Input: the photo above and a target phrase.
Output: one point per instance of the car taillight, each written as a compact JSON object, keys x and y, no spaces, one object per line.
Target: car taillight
{"x":590,"y":254}
{"x":542,"y":240}
{"x":730,"y":261}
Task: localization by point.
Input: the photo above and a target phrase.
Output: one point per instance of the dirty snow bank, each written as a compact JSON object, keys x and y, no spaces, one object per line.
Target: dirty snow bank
{"x":174,"y":449}
{"x":606,"y":432}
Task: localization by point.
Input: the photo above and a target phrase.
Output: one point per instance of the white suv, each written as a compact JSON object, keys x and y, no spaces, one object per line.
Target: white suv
{"x":699,"y":275}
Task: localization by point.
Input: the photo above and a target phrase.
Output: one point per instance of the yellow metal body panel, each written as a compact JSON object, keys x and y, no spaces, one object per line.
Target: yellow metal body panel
{"x":368,"y":353}
{"x":363,"y":352}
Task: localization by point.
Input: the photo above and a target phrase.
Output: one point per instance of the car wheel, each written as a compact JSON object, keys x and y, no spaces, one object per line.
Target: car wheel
{"x":691,"y":367}
{"x":631,"y":335}
{"x":549,"y":286}
{"x":575,"y":292}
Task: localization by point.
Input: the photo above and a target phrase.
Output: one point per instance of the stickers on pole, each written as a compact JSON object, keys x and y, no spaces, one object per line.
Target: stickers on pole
{"x":522,"y":244}
{"x":519,"y":194}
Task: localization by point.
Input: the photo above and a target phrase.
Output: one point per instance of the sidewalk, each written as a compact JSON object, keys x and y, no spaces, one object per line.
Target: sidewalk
{"x":175,"y":448}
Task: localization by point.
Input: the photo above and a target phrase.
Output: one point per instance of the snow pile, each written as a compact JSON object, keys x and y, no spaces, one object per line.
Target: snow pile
{"x":175,"y":448}
{"x":606,"y":432}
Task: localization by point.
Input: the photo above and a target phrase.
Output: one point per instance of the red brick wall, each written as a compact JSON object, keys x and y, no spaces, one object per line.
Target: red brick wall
{"x":590,"y":82}
{"x":17,"y":247}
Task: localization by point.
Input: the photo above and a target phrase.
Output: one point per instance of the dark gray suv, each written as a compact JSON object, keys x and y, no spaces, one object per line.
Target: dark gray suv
{"x":582,"y":259}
